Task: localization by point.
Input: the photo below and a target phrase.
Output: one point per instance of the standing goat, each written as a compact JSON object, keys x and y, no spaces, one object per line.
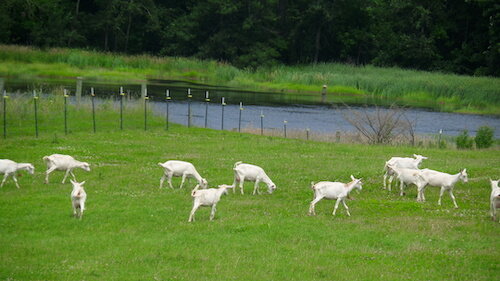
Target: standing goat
{"x":78,"y":198}
{"x":207,"y":197}
{"x":407,"y":176}
{"x":249,"y":172}
{"x":9,"y":167}
{"x":61,"y":162}
{"x":333,"y":191}
{"x":443,"y":180}
{"x":401,"y":162}
{"x":176,"y":168}
{"x":494,"y":199}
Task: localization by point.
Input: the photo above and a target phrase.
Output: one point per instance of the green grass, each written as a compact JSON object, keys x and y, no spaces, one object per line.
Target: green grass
{"x":346,"y":83}
{"x":134,"y":231}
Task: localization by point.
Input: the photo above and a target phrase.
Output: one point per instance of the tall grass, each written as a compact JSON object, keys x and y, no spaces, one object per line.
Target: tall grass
{"x":368,"y":84}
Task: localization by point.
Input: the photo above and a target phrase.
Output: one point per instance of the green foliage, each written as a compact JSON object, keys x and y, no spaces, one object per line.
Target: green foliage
{"x":484,"y":137}
{"x":463,"y":140}
{"x":460,"y":37}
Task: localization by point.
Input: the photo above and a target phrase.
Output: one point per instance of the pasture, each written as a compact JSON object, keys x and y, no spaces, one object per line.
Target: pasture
{"x":132,"y":230}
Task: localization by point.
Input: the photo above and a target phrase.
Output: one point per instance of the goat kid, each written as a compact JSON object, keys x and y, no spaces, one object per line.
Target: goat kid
{"x":401,"y":162}
{"x":333,"y":191}
{"x":176,"y":168}
{"x":78,"y":198}
{"x":61,"y":162}
{"x":9,"y":168}
{"x":407,"y":176}
{"x":207,"y":198}
{"x":494,"y":199}
{"x":248,"y":172}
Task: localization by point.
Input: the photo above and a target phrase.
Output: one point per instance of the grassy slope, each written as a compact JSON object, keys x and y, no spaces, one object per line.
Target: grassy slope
{"x":132,"y":230}
{"x":347,"y":83}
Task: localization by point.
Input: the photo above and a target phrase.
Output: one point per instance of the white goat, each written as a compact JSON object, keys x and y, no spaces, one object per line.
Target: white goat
{"x":61,"y":162}
{"x":407,"y":176}
{"x":401,"y":162}
{"x":443,"y":180}
{"x":9,"y":167}
{"x":207,"y":197}
{"x":249,"y":172}
{"x":494,"y":199}
{"x":175,"y":168}
{"x":333,"y":191}
{"x":78,"y":198}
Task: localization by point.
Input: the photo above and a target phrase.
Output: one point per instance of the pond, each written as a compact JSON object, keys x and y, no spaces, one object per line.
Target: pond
{"x":301,"y":111}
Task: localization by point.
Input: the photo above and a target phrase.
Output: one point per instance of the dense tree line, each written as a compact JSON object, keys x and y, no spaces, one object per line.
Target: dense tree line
{"x":460,"y":36}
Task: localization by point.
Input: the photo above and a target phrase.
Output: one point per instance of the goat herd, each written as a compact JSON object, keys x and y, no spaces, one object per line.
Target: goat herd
{"x":406,"y":170}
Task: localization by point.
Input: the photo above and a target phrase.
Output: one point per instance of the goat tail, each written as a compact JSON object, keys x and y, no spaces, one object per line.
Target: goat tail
{"x":236,"y":164}
{"x":160,"y":164}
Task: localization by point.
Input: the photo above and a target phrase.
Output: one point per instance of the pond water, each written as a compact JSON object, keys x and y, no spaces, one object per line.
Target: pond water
{"x":301,"y":111}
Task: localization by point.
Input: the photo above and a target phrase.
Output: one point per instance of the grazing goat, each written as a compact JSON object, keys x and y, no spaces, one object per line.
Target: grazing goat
{"x":443,"y":180}
{"x":249,"y":172}
{"x":407,"y":176}
{"x":401,"y":162}
{"x":207,"y":197}
{"x":9,"y":167}
{"x":78,"y":197}
{"x":494,"y":199}
{"x":333,"y":191}
{"x":61,"y":162}
{"x":175,"y":168}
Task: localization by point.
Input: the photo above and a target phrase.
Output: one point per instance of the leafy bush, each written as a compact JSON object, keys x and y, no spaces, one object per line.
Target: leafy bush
{"x":464,"y":141}
{"x":484,"y":137}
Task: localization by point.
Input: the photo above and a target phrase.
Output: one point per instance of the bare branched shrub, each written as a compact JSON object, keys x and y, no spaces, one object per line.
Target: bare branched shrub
{"x":381,"y":125}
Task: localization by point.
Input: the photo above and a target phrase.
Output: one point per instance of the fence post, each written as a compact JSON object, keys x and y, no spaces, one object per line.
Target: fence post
{"x":35,"y":98}
{"x":78,"y":93}
{"x":121,"y":107}
{"x":92,"y":94}
{"x":284,"y":127}
{"x":167,"y":100}
{"x":65,"y":112}
{"x":146,"y":98}
{"x":239,"y":119}
{"x":207,"y":100}
{"x":307,"y":134}
{"x":337,"y":136}
{"x":439,"y":140}
{"x":189,"y":107}
{"x":223,"y":105}
{"x":261,"y":123}
{"x":5,"y":97}
{"x":144,"y":90}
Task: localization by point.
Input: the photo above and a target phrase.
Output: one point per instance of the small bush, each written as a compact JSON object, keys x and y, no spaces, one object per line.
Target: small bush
{"x":464,"y":141}
{"x":484,"y":137}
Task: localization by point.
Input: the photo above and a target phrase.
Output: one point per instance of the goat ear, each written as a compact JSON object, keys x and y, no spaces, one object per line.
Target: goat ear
{"x":464,"y":170}
{"x":82,"y":183}
{"x":72,"y":181}
{"x":415,"y":155}
{"x":352,"y":177}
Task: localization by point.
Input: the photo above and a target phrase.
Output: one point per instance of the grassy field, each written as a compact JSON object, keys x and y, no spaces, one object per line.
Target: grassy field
{"x":346,"y":83}
{"x":132,"y":230}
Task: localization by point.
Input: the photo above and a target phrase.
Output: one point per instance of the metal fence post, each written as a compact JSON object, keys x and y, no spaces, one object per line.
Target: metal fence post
{"x":65,"y":112}
{"x":35,"y":98}
{"x":92,"y":94}
{"x":261,"y":123}
{"x":239,"y":119}
{"x":5,"y":97}
{"x":167,"y":100}
{"x":223,"y":105}
{"x":189,"y":107}
{"x":122,"y":94}
{"x":207,"y":100}
{"x":284,"y":127}
{"x":146,"y":98}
